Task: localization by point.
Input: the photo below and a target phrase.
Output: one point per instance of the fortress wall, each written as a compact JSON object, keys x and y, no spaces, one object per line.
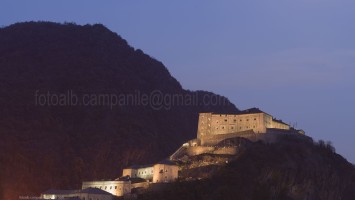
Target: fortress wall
{"x":204,"y":124}
{"x":212,"y":140}
{"x":193,"y":151}
{"x":117,"y":188}
{"x":279,"y":125}
{"x":220,"y":124}
{"x":145,"y":173}
{"x":226,"y":151}
{"x":140,"y":185}
{"x":129,"y":172}
{"x":165,"y":173}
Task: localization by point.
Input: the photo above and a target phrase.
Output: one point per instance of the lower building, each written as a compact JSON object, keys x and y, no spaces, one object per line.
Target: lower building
{"x":164,"y":171}
{"x":85,"y":194}
{"x":116,"y":187}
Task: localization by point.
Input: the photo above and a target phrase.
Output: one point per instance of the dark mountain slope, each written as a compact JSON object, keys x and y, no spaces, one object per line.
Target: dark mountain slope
{"x":290,"y":169}
{"x":59,"y":146}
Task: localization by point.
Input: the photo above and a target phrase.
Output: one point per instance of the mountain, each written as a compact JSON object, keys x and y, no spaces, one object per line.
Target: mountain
{"x":50,"y":141}
{"x":291,"y":168}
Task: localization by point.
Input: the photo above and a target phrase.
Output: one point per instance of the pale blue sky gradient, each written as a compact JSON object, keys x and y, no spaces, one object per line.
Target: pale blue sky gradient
{"x":293,"y":59}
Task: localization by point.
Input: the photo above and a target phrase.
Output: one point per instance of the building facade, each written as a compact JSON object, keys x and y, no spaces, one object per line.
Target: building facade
{"x":164,"y":171}
{"x":210,"y":124}
{"x":116,"y":187}
{"x":84,"y":194}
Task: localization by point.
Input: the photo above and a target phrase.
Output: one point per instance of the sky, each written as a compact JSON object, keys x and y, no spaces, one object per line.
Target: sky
{"x":292,"y":59}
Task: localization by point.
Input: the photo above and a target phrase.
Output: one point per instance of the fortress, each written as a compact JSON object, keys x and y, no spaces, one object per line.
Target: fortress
{"x":212,"y":130}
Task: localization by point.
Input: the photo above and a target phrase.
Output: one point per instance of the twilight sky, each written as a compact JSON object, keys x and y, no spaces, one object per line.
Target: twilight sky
{"x":294,"y":59}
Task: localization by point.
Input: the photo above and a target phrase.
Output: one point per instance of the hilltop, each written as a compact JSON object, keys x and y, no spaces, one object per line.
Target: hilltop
{"x":290,"y":168}
{"x":45,"y":146}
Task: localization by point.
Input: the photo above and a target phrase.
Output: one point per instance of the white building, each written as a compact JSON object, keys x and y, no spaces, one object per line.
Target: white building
{"x":85,"y":194}
{"x":164,"y":171}
{"x":116,"y":187}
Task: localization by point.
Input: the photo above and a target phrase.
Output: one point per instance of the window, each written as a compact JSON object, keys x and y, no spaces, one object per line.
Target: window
{"x":254,"y":119}
{"x":111,"y":188}
{"x":115,"y":187}
{"x":247,"y":120}
{"x":235,"y":120}
{"x":240,"y":120}
{"x":166,"y":170}
{"x":225,"y":120}
{"x":105,"y":187}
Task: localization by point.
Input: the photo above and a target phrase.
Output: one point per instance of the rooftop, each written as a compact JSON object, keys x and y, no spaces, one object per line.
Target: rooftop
{"x":251,"y":111}
{"x":279,"y":120}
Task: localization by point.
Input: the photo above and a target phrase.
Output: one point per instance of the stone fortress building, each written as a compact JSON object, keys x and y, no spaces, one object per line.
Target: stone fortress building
{"x":212,"y":130}
{"x":251,"y":119}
